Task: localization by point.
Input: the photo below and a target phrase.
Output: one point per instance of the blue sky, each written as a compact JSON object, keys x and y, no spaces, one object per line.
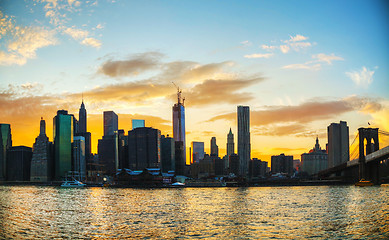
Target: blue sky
{"x":278,"y":57}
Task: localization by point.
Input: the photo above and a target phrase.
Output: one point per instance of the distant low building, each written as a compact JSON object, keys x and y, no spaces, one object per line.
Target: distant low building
{"x":282,"y":164}
{"x":314,"y":161}
{"x":234,"y":164}
{"x":257,"y":168}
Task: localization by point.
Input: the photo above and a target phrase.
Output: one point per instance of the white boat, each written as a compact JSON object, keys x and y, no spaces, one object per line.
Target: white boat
{"x":73,"y":184}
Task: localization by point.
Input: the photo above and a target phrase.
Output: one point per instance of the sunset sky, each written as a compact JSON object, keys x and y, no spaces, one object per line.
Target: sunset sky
{"x":299,"y":65}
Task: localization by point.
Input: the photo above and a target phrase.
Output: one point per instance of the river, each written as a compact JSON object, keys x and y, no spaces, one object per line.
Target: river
{"x":320,"y":212}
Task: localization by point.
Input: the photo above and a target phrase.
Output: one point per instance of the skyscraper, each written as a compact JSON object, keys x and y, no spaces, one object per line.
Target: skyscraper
{"x":179,"y":124}
{"x":244,"y":146}
{"x":282,"y":164}
{"x":82,"y":119}
{"x":230,"y":144}
{"x":338,"y":143}
{"x":5,"y":144}
{"x":214,"y":147}
{"x":79,"y":163}
{"x":144,"y":148}
{"x":197,"y":151}
{"x":168,"y":156}
{"x":63,"y":138}
{"x":19,"y":163}
{"x":110,"y":123}
{"x":42,"y":158}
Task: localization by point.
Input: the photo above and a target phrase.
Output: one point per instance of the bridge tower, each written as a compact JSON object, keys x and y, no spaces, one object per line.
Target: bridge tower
{"x":368,"y":172}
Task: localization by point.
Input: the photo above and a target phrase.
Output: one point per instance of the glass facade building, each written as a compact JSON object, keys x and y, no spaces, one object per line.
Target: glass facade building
{"x":5,"y":144}
{"x":79,"y":163}
{"x":197,"y":151}
{"x":244,"y":146}
{"x":179,"y":126}
{"x":63,"y":138}
{"x":110,"y":123}
{"x":137,"y":123}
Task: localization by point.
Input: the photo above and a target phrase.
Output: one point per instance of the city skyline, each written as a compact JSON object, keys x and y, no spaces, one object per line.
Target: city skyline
{"x":300,"y":67}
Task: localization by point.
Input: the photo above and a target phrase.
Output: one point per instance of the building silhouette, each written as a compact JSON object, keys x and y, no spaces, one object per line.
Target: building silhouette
{"x":338,"y":143}
{"x":79,"y":161}
{"x":144,"y":148}
{"x":179,"y":126}
{"x":314,"y":161}
{"x":122,"y":149}
{"x":168,"y":154}
{"x":282,"y":164}
{"x":179,"y":158}
{"x":83,"y":131}
{"x":244,"y":146}
{"x":110,"y":123}
{"x":19,"y":163}
{"x":197,"y":151}
{"x":230,"y":143}
{"x":257,"y":168}
{"x":42,"y":164}
{"x":234,"y":163}
{"x":82,"y":124}
{"x":63,"y":138}
{"x":5,"y":144}
{"x":214,"y":147}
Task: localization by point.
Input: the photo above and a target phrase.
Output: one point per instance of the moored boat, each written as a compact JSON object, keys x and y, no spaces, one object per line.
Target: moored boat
{"x":73,"y":184}
{"x":364,"y":183}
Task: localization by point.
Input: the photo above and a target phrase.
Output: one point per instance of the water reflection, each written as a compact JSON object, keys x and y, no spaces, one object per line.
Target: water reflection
{"x":270,"y":212}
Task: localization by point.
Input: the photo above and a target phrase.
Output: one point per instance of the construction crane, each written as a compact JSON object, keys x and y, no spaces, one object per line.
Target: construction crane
{"x":179,"y":91}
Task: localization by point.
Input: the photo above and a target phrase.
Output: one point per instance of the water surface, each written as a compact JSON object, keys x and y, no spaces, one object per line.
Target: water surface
{"x":321,"y":212}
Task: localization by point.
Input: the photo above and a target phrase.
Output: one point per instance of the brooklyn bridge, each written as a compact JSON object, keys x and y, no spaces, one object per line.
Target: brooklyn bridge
{"x":367,"y":160}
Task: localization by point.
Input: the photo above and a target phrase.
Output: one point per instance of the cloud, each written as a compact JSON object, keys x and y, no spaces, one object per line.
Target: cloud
{"x":315,"y":64}
{"x":321,"y":57}
{"x":284,"y":48}
{"x":132,"y":66}
{"x":259,"y":55}
{"x":189,"y":72}
{"x":246,"y":43}
{"x":21,"y":43}
{"x":92,"y":42}
{"x":76,"y":33}
{"x":297,"y":38}
{"x":268,"y":47}
{"x":363,"y":78}
{"x":220,"y":91}
{"x":306,"y":112}
{"x":303,"y":66}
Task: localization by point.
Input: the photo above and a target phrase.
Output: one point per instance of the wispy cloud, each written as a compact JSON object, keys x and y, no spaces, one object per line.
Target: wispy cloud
{"x":268,"y":47}
{"x":363,"y":77}
{"x":246,"y":43}
{"x":292,"y":119}
{"x":220,"y":91}
{"x":132,"y":66}
{"x":21,"y":43}
{"x":259,"y":55}
{"x":316,"y":63}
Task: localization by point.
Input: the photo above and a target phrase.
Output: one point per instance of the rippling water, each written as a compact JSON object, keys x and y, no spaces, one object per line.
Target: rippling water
{"x":333,"y":212}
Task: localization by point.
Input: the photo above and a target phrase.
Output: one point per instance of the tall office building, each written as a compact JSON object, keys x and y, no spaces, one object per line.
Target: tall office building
{"x":83,"y":131}
{"x":244,"y":146}
{"x":79,"y":163}
{"x":179,"y":124}
{"x":338,"y":143}
{"x":110,"y":123}
{"x":42,"y":157}
{"x":108,"y":152}
{"x":63,"y":138}
{"x":197,"y":151}
{"x":136,"y":123}
{"x":19,"y":163}
{"x":168,"y":156}
{"x":5,"y":144}
{"x":214,"y":147}
{"x":144,"y":148}
{"x":230,"y":144}
{"x":82,"y":119}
